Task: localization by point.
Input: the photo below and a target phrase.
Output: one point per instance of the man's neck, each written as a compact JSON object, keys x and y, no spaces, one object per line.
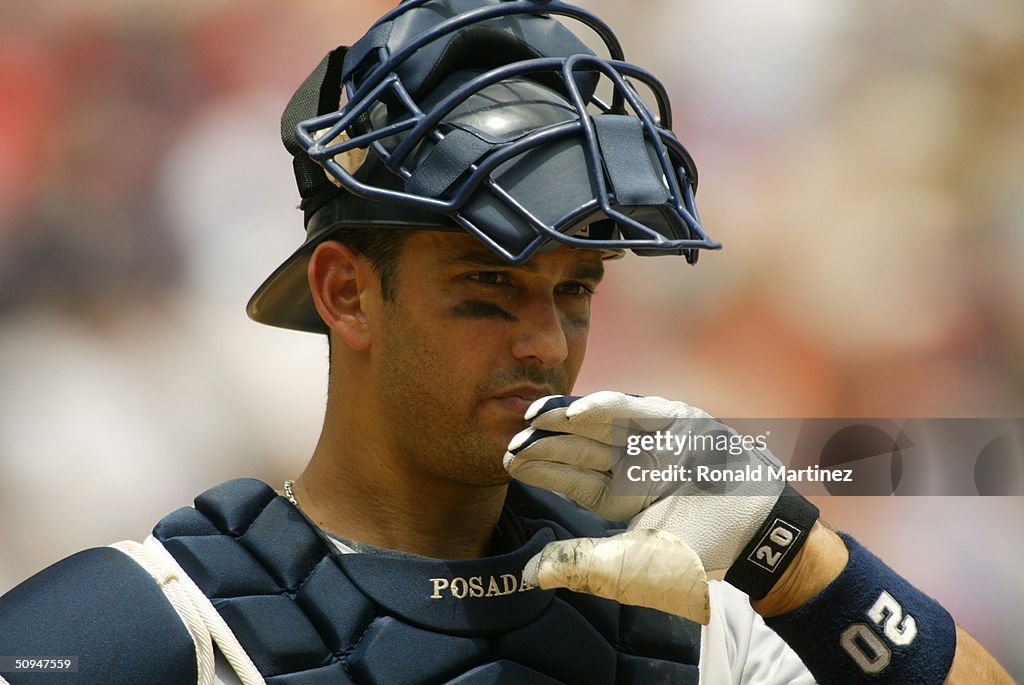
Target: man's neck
{"x":435,"y":519}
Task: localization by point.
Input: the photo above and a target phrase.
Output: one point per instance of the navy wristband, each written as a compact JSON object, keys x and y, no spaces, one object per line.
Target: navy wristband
{"x":870,"y":625}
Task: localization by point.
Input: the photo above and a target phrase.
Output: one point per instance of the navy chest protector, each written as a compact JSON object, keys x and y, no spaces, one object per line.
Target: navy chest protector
{"x":306,"y":614}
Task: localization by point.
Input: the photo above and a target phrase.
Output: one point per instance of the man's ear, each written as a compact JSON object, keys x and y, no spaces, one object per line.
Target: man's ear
{"x":338,"y":281}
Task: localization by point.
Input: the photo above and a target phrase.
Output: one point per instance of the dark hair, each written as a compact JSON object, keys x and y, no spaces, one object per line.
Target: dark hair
{"x":383,"y":247}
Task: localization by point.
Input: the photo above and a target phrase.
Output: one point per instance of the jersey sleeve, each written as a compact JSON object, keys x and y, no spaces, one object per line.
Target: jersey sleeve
{"x":738,"y":647}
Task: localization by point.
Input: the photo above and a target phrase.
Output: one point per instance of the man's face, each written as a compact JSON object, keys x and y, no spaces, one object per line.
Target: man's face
{"x":469,"y":342}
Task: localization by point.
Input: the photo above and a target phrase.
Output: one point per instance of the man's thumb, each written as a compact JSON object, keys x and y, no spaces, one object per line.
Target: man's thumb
{"x":650,"y":568}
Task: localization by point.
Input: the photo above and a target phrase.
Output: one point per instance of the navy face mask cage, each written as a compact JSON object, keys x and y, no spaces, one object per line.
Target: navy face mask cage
{"x":603,"y":163}
{"x":483,"y":116}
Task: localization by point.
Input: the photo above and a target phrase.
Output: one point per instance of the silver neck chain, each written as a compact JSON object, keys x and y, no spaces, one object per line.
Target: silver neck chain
{"x":288,"y":492}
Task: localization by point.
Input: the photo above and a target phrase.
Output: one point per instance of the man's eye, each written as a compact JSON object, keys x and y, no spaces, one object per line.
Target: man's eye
{"x":576,"y":289}
{"x":490,"y":278}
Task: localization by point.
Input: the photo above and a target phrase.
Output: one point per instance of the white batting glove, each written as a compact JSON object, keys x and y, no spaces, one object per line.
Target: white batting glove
{"x":592,"y":450}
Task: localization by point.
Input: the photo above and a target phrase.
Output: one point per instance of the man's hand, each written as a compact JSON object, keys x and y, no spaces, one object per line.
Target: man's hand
{"x":592,"y":450}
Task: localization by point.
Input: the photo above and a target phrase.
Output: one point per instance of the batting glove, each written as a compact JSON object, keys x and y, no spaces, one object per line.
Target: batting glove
{"x":651,"y":462}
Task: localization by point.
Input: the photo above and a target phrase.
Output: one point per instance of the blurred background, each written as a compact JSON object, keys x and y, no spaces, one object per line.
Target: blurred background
{"x":862,"y":163}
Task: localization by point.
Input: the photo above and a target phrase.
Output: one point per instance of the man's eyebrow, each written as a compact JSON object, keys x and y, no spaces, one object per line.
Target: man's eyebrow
{"x":486,"y":258}
{"x":591,"y":271}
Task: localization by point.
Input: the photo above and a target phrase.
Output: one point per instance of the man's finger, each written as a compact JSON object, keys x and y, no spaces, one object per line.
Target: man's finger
{"x":647,"y":568}
{"x":608,"y":416}
{"x":589,"y":489}
{"x":560,"y":448}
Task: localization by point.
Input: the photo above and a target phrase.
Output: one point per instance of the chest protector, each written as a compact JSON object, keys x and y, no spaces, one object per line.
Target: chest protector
{"x":306,"y":614}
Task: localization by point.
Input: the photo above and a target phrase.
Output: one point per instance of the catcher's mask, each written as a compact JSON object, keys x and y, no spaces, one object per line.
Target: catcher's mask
{"x":488,"y":116}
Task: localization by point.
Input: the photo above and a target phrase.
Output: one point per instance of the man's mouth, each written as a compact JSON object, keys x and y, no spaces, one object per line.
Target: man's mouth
{"x":519,"y":398}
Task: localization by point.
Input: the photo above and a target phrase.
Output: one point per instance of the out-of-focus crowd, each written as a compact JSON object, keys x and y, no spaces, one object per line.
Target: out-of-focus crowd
{"x":861,"y":162}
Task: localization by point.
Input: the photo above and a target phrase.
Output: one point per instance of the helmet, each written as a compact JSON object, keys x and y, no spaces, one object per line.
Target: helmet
{"x":486,"y":116}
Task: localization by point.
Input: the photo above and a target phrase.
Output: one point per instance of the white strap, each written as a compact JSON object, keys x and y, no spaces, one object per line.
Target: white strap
{"x":196,"y":611}
{"x":169,"y":581}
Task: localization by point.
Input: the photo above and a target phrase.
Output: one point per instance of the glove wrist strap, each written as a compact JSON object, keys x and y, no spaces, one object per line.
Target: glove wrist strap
{"x":773,"y":548}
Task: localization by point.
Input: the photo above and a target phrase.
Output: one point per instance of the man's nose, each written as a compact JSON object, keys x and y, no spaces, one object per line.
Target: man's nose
{"x":540,"y":335}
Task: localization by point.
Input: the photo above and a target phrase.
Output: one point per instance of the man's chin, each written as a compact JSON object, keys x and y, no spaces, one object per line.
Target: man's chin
{"x":500,"y":478}
{"x":490,"y":474}
{"x":498,"y":432}
{"x":495,"y":465}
